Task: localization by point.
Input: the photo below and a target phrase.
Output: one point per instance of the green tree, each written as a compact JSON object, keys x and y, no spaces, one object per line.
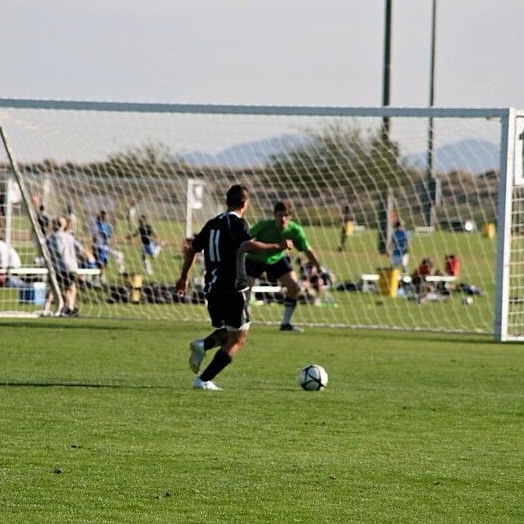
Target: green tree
{"x":339,"y":156}
{"x":149,"y":160}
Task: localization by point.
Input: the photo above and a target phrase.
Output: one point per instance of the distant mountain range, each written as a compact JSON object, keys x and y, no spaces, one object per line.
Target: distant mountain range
{"x":472,"y":155}
{"x":248,"y":154}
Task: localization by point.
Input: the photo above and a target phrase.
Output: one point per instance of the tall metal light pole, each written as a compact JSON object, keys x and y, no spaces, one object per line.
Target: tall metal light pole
{"x":385,"y":204}
{"x":386,"y":85}
{"x":432,"y":86}
{"x":433,"y":186}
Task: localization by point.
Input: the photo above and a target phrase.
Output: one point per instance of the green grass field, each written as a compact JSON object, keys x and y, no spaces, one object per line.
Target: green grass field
{"x":100,"y":424}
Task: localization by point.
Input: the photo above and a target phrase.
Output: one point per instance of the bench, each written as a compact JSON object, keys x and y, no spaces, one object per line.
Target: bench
{"x":265,"y":290}
{"x":435,"y":279}
{"x":425,"y":229}
{"x":42,"y":271}
{"x":368,"y":279}
{"x":444,"y":280}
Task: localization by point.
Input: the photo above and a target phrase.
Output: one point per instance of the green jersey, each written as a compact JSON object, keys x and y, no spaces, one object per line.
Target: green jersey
{"x":266,"y":231}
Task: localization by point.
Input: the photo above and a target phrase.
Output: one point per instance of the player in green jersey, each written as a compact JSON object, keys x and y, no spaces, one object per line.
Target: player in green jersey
{"x":278,"y":266}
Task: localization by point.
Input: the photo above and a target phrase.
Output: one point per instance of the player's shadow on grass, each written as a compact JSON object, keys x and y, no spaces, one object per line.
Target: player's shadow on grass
{"x":66,"y":325}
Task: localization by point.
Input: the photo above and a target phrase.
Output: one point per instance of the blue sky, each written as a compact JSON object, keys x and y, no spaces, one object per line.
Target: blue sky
{"x":291,"y":52}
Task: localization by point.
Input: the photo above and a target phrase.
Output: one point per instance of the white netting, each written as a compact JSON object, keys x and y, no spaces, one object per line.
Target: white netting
{"x":335,"y":166}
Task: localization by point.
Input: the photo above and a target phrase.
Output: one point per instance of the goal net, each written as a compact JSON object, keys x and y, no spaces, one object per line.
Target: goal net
{"x":451,"y":176}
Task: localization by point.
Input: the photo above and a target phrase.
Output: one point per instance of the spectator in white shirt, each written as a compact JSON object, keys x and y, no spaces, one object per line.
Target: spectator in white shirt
{"x":65,"y":250}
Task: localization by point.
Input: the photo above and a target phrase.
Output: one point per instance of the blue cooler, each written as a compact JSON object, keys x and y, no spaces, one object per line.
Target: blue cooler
{"x":33,"y":293}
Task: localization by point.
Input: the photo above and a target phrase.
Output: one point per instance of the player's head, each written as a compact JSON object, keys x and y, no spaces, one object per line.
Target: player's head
{"x":237,"y":198}
{"x":283,"y":212}
{"x":426,"y":261}
{"x":59,"y":223}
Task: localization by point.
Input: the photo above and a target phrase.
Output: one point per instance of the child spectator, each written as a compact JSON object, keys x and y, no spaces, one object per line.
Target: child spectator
{"x":398,"y":248}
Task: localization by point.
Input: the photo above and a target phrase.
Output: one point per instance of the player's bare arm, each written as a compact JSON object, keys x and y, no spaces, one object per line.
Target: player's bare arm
{"x":312,"y":257}
{"x":189,"y":258}
{"x":255,"y":246}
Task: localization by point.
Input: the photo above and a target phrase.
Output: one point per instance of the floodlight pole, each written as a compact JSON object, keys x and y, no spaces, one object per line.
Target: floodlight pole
{"x":384,"y":231}
{"x":432,"y":88}
{"x":433,"y":191}
{"x":386,"y":85}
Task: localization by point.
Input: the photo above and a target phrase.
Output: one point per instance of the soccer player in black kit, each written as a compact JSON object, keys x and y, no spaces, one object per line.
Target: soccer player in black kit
{"x":224,"y":241}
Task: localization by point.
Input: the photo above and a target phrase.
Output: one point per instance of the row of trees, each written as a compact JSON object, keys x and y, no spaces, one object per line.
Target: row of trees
{"x":336,"y":166}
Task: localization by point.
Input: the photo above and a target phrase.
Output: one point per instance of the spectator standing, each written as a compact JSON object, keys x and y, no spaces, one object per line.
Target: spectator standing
{"x":102,"y":235}
{"x":398,"y":248}
{"x":2,"y":210}
{"x":65,"y":251}
{"x":43,"y":220}
{"x":346,"y":219}
{"x":71,"y":219}
{"x":131,"y":216}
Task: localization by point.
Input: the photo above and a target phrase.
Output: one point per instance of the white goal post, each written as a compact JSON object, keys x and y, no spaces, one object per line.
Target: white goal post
{"x":459,"y":194}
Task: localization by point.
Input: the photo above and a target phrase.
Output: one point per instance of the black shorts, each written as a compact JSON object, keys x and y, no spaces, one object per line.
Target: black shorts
{"x":229,"y":309}
{"x":66,"y":280}
{"x":274,"y":271}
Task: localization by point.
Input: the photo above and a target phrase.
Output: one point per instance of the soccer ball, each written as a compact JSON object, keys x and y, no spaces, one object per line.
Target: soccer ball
{"x":313,"y":377}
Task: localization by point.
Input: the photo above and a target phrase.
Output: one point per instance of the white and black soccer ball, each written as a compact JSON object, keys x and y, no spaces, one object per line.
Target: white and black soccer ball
{"x":313,"y":377}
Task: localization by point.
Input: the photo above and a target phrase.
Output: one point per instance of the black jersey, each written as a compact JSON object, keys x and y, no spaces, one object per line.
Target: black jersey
{"x":146,"y":233}
{"x":220,"y":240}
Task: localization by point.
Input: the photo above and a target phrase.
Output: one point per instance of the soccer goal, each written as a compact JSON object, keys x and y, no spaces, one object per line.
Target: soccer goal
{"x":453,"y":177}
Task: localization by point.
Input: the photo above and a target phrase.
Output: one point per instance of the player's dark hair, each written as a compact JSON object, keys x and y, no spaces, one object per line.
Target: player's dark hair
{"x":237,"y":196}
{"x":283,"y":207}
